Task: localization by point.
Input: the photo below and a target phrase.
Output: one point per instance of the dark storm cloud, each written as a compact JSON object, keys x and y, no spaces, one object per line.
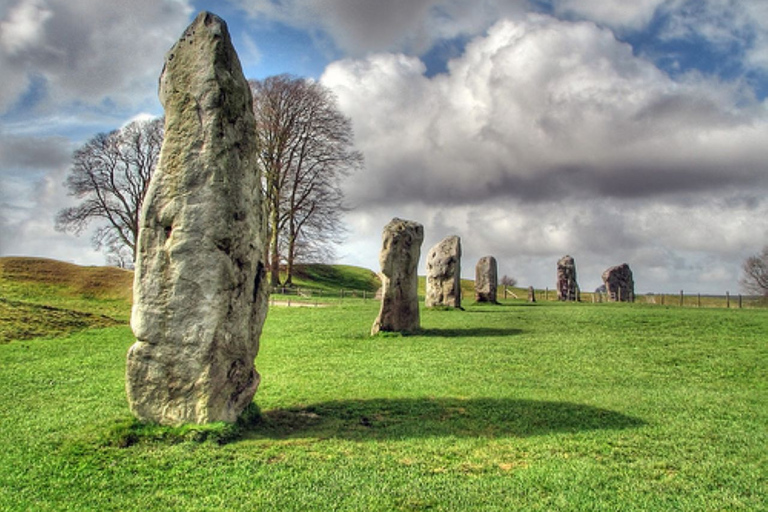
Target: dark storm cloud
{"x":416,"y":183}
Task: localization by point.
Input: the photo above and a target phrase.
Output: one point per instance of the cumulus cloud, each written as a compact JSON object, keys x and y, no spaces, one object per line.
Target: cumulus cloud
{"x":26,"y":220}
{"x":32,"y":193}
{"x":86,"y":50}
{"x":67,"y":65}
{"x":25,"y":153}
{"x":617,"y":14}
{"x":547,"y":137}
{"x":734,"y":30}
{"x":757,"y":54}
{"x":733,"y":33}
{"x":543,"y":109}
{"x":719,"y":22}
{"x":357,"y":27}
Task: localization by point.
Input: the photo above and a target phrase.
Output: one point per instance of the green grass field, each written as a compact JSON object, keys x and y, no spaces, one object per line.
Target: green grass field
{"x":512,"y":407}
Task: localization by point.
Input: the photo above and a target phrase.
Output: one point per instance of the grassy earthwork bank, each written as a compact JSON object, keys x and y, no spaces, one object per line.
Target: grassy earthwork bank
{"x":510,"y":407}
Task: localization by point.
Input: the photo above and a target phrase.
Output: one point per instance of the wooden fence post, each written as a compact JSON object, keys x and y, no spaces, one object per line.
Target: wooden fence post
{"x":728,"y":300}
{"x":698,"y":300}
{"x":681,"y":298}
{"x":739,"y":301}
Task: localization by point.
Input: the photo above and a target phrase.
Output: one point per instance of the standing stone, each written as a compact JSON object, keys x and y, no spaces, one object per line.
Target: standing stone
{"x":444,"y":274}
{"x":486,"y":280}
{"x":619,"y":284}
{"x":567,"y":287}
{"x":399,"y":259}
{"x":531,"y":294}
{"x":200,"y":297}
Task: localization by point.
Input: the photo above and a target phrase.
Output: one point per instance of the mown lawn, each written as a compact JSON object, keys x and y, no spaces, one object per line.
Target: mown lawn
{"x":513,"y":407}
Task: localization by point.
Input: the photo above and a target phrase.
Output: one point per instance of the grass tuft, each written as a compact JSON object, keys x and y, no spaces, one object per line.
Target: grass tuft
{"x":125,"y":433}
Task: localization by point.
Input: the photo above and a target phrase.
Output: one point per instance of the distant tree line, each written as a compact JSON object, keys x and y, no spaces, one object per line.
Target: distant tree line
{"x":305,"y":150}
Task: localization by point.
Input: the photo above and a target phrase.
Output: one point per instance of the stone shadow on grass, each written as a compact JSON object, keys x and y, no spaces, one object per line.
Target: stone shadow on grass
{"x":435,"y":417}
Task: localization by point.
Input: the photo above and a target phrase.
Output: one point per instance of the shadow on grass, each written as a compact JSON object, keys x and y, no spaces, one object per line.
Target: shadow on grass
{"x":441,"y":417}
{"x":476,"y":332}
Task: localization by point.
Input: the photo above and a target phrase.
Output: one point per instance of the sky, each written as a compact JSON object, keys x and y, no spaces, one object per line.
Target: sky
{"x":613,"y":131}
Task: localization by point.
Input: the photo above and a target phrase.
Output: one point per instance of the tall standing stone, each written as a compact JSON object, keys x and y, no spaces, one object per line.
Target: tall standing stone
{"x":619,"y":283}
{"x":486,"y":280}
{"x":399,"y":259}
{"x":567,"y":287}
{"x":531,"y":294}
{"x":443,"y":286}
{"x":200,"y":298}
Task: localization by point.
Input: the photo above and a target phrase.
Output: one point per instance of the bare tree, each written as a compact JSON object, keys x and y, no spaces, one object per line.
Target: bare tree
{"x":305,"y":145}
{"x":755,"y":273}
{"x":110,"y":174}
{"x":508,"y":281}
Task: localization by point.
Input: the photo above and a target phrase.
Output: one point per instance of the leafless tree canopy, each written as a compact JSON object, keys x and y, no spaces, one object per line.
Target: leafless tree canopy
{"x":306,"y":149}
{"x":508,"y":281}
{"x":109,"y":175}
{"x":755,"y":273}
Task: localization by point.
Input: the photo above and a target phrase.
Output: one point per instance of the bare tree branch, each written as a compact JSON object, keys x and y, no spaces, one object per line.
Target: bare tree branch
{"x":508,"y":281}
{"x":755,"y":273}
{"x":110,"y":174}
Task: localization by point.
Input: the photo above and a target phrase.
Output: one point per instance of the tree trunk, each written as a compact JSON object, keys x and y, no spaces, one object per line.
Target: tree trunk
{"x":291,"y":257}
{"x":274,"y":242}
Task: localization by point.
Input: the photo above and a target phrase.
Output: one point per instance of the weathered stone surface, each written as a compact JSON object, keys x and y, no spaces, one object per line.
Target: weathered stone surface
{"x":619,"y":284}
{"x":200,"y":298}
{"x":486,"y":279}
{"x":531,"y":294}
{"x":567,"y":287}
{"x":399,"y":259}
{"x":443,"y":286}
